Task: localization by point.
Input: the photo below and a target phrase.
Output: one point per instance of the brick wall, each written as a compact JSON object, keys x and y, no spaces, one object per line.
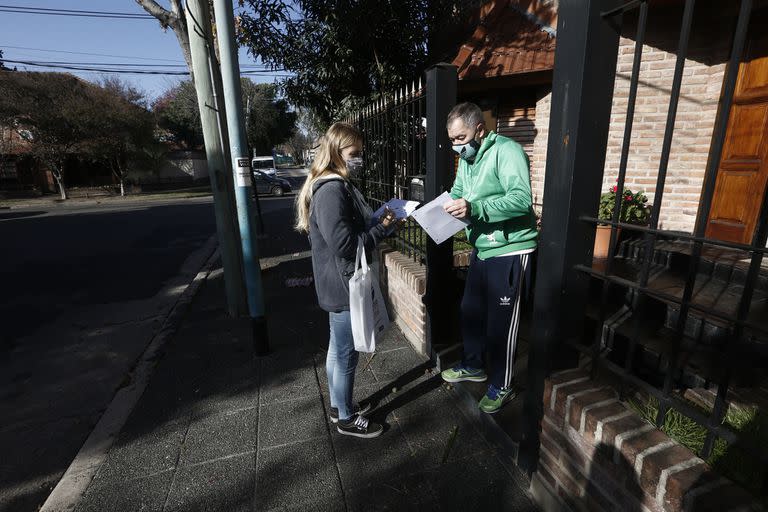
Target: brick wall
{"x":598,"y":455}
{"x":403,"y":283}
{"x":539,"y":153}
{"x":702,"y":81}
{"x":699,"y":100}
{"x":517,"y":119}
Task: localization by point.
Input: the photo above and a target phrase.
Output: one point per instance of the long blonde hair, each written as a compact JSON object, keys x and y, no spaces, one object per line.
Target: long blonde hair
{"x":328,"y":160}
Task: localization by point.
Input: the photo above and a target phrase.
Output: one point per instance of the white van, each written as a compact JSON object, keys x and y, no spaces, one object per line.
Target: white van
{"x":265,"y":164}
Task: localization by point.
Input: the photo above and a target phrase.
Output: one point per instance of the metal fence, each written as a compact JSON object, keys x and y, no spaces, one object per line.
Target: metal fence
{"x":395,"y":157}
{"x":567,"y":277}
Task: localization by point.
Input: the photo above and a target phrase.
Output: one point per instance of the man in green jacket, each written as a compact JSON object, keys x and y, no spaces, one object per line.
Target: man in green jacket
{"x":493,"y":191}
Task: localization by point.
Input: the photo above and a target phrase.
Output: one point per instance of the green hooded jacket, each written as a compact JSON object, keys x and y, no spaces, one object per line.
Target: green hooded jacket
{"x":497,"y":185}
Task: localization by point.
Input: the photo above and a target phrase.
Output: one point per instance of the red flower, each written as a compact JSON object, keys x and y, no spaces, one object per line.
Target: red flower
{"x":628,"y":197}
{"x":614,"y":188}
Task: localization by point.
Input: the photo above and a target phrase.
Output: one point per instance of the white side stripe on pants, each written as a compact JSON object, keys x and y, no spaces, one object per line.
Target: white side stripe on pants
{"x":514,"y":324}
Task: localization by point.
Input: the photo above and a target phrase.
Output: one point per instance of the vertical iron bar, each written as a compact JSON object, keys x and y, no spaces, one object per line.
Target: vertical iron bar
{"x":637,"y":299}
{"x":650,"y":238}
{"x":718,"y":141}
{"x":582,"y":92}
{"x":626,"y":142}
{"x":422,"y":157}
{"x":442,"y":81}
{"x":412,"y":164}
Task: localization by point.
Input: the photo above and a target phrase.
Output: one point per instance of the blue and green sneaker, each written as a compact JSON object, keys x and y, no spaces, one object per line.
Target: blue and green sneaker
{"x":462,"y":373}
{"x":495,"y":398}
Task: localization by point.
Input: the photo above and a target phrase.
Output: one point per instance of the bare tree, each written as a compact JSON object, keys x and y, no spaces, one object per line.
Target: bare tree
{"x":174,"y":19}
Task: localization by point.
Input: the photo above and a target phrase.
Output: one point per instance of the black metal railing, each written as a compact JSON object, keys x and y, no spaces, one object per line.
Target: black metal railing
{"x":743,"y":334}
{"x":395,"y":157}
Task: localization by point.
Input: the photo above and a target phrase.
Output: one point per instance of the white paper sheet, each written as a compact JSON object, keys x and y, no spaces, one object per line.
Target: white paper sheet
{"x":402,"y":208}
{"x":437,"y":223}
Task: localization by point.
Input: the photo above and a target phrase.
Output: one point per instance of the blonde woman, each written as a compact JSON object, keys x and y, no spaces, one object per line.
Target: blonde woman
{"x":335,"y":215}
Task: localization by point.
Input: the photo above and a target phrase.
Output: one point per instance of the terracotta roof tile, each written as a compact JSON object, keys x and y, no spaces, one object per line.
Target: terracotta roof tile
{"x":505,"y":42}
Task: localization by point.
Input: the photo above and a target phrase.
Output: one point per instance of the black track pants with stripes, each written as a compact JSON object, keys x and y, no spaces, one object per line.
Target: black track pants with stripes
{"x":490,"y":314}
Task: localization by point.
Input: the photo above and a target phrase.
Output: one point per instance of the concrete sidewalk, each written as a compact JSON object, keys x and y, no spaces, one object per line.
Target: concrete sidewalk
{"x":218,"y":429}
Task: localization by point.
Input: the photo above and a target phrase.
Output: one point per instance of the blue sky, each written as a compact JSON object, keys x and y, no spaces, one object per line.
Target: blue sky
{"x":136,"y":41}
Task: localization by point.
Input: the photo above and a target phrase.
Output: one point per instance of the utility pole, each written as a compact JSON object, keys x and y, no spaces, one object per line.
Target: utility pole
{"x":241,"y":167}
{"x":201,"y":46}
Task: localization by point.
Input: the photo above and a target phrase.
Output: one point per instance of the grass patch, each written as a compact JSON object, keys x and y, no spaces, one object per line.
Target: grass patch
{"x":737,"y":462}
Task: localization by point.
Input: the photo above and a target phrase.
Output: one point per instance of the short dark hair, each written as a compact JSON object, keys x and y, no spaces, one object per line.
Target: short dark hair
{"x":469,"y":113}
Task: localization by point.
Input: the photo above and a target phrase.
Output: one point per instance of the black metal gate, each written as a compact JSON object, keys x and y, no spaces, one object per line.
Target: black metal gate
{"x":407,"y":155}
{"x":395,"y":157}
{"x":568,"y":279}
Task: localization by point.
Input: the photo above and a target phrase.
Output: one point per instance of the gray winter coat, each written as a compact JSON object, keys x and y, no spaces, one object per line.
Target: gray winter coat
{"x":338,"y":217}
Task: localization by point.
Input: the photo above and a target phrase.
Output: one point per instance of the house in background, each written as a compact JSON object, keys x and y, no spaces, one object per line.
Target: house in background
{"x":19,"y":172}
{"x":597,"y":453}
{"x":184,"y":165}
{"x":506,"y":67}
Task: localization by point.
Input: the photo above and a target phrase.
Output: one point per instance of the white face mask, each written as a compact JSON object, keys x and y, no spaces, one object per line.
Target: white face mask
{"x":354,"y":166}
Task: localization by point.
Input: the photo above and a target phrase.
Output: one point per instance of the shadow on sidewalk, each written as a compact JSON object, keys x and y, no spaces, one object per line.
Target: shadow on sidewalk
{"x":381,"y":413}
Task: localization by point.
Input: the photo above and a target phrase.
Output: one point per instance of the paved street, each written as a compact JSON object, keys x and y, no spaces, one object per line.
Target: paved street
{"x":85,"y":288}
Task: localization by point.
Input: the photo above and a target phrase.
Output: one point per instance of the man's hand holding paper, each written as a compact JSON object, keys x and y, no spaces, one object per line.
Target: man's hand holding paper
{"x":437,"y":222}
{"x":459,"y":208}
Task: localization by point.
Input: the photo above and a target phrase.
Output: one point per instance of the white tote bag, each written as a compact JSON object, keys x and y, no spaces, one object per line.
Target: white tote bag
{"x":366,"y":304}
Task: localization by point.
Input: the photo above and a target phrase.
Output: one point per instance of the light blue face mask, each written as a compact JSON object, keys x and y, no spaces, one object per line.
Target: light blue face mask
{"x":467,"y":151}
{"x":354,"y":167}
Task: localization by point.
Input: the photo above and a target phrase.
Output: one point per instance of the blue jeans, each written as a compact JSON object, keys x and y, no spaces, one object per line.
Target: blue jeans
{"x":341,"y":362}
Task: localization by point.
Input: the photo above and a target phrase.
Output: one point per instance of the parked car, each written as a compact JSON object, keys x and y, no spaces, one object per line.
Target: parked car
{"x":265,"y":164}
{"x":266,"y":184}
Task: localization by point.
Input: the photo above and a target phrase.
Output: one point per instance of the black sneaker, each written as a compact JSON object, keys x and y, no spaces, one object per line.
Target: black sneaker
{"x":359,"y":426}
{"x":357,"y":409}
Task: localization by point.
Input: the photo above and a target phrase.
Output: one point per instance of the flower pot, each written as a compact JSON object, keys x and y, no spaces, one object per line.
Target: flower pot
{"x":603,"y":241}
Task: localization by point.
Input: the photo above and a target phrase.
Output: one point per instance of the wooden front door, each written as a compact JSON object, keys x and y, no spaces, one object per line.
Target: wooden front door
{"x":743,"y":172}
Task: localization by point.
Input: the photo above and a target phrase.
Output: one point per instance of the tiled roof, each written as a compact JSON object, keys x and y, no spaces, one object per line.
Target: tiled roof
{"x":505,"y":42}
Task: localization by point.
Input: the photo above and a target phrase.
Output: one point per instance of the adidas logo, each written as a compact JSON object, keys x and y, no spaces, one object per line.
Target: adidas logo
{"x":504,"y":301}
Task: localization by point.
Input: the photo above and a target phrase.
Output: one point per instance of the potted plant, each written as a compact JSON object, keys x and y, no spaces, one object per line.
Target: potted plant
{"x":634,"y":210}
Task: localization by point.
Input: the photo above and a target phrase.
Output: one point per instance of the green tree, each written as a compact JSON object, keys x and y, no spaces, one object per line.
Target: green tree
{"x":126,"y":134}
{"x":268,"y":120}
{"x":342,"y":52}
{"x":56,"y":114}
{"x":177,"y":113}
{"x":304,"y":137}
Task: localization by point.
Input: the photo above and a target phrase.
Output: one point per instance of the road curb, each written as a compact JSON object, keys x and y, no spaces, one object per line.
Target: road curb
{"x":76,"y":480}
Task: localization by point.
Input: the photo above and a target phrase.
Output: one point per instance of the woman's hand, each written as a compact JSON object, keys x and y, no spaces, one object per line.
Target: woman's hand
{"x":388,"y":218}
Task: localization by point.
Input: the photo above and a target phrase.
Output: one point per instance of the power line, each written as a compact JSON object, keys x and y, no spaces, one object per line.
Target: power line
{"x":102,"y":70}
{"x":250,"y":67}
{"x":90,"y":54}
{"x":76,"y":13}
{"x":72,"y":10}
{"x":75,"y":67}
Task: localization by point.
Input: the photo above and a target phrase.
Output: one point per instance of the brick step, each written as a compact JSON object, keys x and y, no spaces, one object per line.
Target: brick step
{"x":698,"y":363}
{"x":715,"y":288}
{"x":598,"y":454}
{"x":720,"y":263}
